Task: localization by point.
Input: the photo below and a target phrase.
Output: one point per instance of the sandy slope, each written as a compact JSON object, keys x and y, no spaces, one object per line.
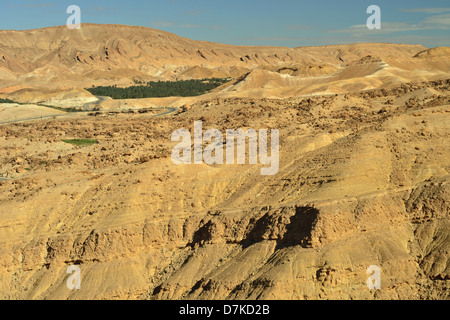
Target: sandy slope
{"x":363,"y":177}
{"x":12,"y":111}
{"x":363,"y":180}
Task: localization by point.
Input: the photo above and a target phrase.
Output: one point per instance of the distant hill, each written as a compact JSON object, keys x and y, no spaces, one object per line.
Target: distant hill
{"x":119,"y":54}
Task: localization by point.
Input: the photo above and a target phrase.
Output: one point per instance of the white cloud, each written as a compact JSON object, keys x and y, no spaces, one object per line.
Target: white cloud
{"x":437,"y":22}
{"x":39,"y":5}
{"x":162,"y":24}
{"x":170,"y":24}
{"x":192,"y":26}
{"x":33,"y":5}
{"x":441,"y":19}
{"x":386,"y":28}
{"x":427,"y":10}
{"x":298,"y":27}
{"x":195,"y":12}
{"x":201,"y":26}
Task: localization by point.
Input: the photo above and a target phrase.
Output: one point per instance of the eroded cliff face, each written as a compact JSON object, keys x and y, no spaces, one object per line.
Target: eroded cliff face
{"x":59,"y":58}
{"x":363,"y":181}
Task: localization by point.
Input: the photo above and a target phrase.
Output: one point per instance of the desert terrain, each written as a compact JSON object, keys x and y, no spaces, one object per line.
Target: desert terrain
{"x":363,"y":177}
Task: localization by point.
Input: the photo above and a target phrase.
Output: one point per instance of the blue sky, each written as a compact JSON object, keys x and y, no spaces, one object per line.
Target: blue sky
{"x":289,"y":23}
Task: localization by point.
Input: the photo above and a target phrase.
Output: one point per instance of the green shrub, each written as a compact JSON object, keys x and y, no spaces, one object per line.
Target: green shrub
{"x":6,"y":101}
{"x":81,"y":142}
{"x":160,"y":89}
